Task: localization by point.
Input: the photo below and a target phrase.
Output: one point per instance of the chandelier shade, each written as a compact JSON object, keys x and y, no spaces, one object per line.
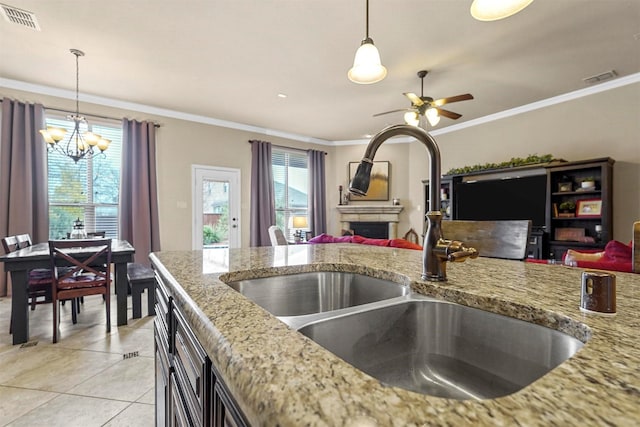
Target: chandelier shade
{"x":79,"y":144}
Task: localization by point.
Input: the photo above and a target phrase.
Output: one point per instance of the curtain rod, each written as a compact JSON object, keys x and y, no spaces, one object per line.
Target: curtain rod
{"x":97,"y":116}
{"x":289,"y":148}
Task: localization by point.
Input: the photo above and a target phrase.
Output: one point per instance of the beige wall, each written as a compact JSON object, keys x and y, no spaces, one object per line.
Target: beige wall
{"x":606,"y":124}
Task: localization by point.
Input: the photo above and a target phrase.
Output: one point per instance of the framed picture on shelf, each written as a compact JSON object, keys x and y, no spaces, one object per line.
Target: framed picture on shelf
{"x":589,"y":208}
{"x":379,"y":183}
{"x":564,"y":187}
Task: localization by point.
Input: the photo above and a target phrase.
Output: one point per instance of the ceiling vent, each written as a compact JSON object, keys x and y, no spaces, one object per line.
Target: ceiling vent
{"x":600,"y":77}
{"x":20,"y":17}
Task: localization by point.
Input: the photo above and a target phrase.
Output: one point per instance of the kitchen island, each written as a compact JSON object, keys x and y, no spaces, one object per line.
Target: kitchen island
{"x":277,"y":376}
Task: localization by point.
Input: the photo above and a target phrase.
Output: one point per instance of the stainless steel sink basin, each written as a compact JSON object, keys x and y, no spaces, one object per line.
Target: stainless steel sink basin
{"x":317,"y":292}
{"x":443,"y":349}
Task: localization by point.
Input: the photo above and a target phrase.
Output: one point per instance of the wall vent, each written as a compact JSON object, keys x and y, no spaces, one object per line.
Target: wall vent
{"x":600,"y":77}
{"x":19,"y":16}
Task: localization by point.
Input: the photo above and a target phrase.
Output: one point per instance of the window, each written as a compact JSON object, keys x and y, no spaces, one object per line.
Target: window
{"x":291,"y":185}
{"x":89,"y":189}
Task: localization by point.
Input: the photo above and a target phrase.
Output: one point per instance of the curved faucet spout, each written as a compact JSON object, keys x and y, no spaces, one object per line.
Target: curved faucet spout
{"x":433,"y":263}
{"x":360,"y":182}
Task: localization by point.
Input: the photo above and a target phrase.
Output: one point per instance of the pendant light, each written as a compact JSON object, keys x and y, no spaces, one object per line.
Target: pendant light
{"x":367,"y":67}
{"x":491,"y":10}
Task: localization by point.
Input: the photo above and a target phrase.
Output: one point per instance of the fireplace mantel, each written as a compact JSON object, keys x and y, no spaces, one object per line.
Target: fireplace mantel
{"x":371,"y":213}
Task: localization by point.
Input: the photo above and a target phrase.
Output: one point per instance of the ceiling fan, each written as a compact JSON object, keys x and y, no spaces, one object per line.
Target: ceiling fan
{"x":427,"y":106}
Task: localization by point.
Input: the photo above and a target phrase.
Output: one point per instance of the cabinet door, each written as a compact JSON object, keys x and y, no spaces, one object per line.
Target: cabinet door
{"x":163,"y":370}
{"x":226,"y":413}
{"x":178,"y":410}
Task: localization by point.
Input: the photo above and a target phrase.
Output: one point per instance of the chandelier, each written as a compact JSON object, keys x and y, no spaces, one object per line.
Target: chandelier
{"x":79,"y":145}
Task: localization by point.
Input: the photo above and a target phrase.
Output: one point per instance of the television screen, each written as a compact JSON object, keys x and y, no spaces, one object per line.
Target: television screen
{"x":508,"y":199}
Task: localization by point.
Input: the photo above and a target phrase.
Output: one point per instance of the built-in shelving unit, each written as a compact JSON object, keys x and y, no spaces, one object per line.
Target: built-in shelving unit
{"x":588,"y":225}
{"x":520,"y":191}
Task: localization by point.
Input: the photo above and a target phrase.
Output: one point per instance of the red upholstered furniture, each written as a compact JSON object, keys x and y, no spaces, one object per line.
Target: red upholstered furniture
{"x":394,"y":243}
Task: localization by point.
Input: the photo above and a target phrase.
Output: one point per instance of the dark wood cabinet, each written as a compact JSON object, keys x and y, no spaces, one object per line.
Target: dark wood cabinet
{"x":579,"y":217}
{"x":189,"y":392}
{"x":588,"y":225}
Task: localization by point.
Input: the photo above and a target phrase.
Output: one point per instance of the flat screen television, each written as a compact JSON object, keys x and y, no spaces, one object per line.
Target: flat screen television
{"x":506,"y":199}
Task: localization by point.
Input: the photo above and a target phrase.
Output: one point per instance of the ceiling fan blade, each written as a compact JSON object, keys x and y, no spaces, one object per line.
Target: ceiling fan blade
{"x":415,"y":99}
{"x":393,"y":111}
{"x":457,"y":98}
{"x":448,"y":114}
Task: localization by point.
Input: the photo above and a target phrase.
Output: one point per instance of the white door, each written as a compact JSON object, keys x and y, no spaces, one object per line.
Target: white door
{"x":216,"y":207}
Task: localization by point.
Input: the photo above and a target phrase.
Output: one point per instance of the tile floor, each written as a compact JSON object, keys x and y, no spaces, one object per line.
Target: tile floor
{"x":84,"y":379}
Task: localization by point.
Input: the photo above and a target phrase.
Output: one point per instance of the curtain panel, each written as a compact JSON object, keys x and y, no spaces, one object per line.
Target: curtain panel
{"x":317,"y":192}
{"x":263,"y":210}
{"x":23,"y":174}
{"x":139,"y":223}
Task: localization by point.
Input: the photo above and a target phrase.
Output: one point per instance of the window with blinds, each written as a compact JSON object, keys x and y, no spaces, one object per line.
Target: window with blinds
{"x":89,"y":189}
{"x":291,"y":185}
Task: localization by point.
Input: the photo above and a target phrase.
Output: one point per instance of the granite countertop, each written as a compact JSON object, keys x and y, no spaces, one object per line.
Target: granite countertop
{"x":280,"y":377}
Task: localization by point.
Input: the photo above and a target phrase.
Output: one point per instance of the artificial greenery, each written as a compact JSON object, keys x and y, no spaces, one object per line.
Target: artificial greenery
{"x":514,"y":162}
{"x":567,"y":206}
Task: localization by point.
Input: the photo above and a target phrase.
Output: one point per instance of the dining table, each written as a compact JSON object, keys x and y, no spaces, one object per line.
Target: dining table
{"x":20,"y":262}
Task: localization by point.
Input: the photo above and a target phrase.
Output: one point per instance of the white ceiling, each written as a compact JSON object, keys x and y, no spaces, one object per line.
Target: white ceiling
{"x":229,"y":59}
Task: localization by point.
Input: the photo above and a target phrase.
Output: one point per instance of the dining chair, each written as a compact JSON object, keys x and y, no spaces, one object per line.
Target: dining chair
{"x":276,"y":236}
{"x":39,"y":279}
{"x":84,"y":277}
{"x":9,"y":244}
{"x":506,"y":239}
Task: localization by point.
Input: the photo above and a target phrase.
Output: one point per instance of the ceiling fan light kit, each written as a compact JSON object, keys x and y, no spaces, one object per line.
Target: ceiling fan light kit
{"x":426,"y":107}
{"x":492,"y":10}
{"x":367,"y":67}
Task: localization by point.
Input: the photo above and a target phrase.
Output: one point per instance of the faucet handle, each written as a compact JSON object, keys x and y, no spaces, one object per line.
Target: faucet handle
{"x":458,"y":252}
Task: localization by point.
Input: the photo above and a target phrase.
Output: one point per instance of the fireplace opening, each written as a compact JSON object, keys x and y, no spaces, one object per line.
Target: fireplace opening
{"x":374,"y":230}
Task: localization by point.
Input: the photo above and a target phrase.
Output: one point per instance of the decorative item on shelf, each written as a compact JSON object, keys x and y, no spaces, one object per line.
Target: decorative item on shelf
{"x":444,"y":195}
{"x":340,"y":197}
{"x":566,"y":209}
{"x":299,"y":222}
{"x":564,"y":187}
{"x":588,"y":184}
{"x":345,"y":198}
{"x":598,"y":229}
{"x":532,"y":159}
{"x":589,"y":208}
{"x":367,"y":67}
{"x":79,"y":145}
{"x":569,"y":234}
{"x":396,"y":202}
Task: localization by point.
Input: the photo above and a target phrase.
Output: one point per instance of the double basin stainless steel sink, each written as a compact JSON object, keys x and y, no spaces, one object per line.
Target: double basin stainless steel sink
{"x":410,"y":341}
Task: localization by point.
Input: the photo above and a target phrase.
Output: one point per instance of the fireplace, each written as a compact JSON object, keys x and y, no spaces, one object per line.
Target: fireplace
{"x":374,"y":230}
{"x":373,"y":216}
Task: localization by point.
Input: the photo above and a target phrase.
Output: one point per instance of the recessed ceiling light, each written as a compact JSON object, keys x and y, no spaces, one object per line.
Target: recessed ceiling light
{"x":282,"y":95}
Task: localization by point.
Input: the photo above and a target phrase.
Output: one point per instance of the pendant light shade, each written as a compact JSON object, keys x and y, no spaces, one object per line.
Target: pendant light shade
{"x":491,"y":10}
{"x":367,"y":67}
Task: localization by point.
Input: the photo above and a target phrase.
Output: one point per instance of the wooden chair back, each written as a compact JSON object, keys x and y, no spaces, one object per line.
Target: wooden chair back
{"x":493,"y":239}
{"x":24,"y":240}
{"x":412,"y":236}
{"x":10,"y":244}
{"x":84,"y":274}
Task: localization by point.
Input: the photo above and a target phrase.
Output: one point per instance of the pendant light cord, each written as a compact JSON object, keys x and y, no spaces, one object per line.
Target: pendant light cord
{"x":367,"y":20}
{"x":77,"y":85}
